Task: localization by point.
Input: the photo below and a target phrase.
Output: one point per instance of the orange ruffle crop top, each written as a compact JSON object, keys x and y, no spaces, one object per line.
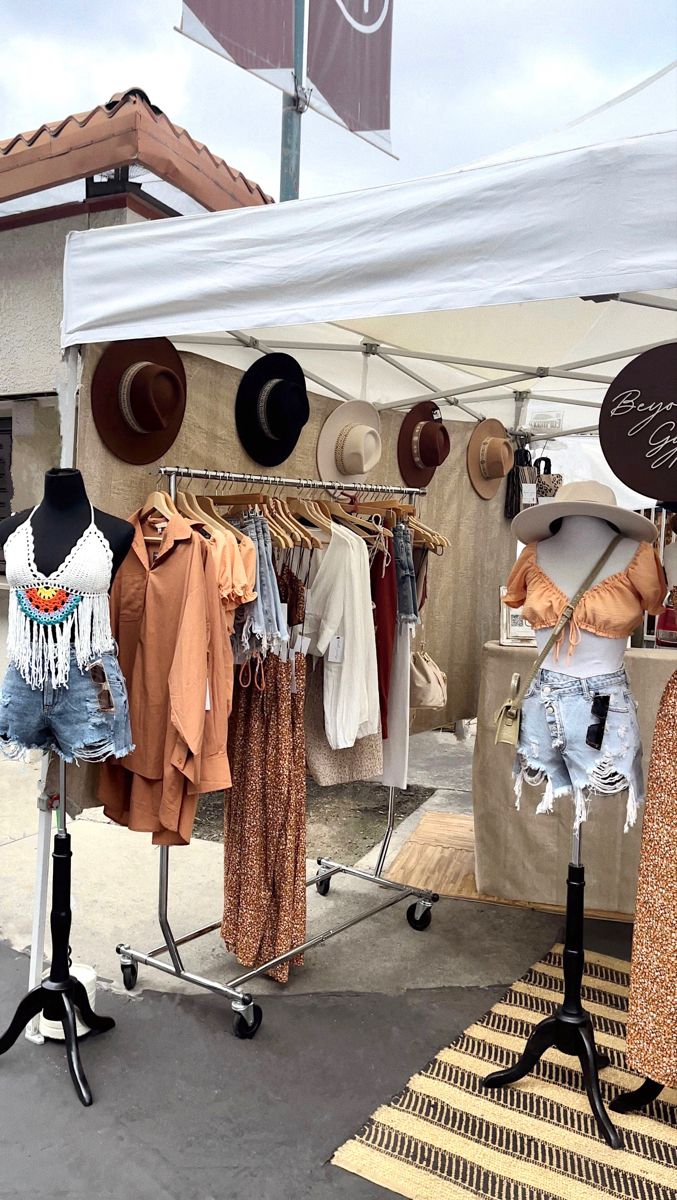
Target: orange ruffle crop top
{"x":611,"y":608}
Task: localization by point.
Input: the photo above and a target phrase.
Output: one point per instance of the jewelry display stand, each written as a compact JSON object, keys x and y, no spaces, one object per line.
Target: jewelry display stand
{"x":58,"y":996}
{"x":570,"y":1027}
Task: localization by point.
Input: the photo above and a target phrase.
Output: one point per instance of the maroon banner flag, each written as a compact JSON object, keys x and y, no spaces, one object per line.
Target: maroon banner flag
{"x":257,"y":35}
{"x":349,"y":58}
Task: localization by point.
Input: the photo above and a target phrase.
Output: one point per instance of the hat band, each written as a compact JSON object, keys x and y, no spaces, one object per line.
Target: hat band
{"x":124,"y":395}
{"x":484,"y":466}
{"x":416,"y":444}
{"x":262,"y":408}
{"x":340,"y":448}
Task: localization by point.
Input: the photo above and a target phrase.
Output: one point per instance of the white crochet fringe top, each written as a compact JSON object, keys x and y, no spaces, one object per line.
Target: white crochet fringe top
{"x":48,"y":613}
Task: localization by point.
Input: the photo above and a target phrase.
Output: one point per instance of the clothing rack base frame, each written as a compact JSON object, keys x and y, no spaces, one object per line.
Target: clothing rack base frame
{"x":247,"y":1015}
{"x":570,"y":1027}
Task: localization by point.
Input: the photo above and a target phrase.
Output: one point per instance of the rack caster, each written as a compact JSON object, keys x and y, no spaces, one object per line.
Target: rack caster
{"x":419,"y":915}
{"x":130,"y":975}
{"x":323,"y":885}
{"x":247,"y":1021}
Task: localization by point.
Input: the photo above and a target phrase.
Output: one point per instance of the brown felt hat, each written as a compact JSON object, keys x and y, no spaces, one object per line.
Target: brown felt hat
{"x":423,"y":443}
{"x":489,"y":457}
{"x":139,"y":398}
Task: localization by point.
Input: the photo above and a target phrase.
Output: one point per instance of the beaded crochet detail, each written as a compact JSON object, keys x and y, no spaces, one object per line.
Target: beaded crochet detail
{"x":48,"y":613}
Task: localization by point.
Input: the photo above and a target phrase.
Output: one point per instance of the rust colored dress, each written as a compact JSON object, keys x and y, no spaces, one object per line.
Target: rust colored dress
{"x":652,"y":1018}
{"x":265,"y":817}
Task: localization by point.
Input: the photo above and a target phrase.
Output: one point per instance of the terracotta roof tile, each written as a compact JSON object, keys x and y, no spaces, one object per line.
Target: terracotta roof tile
{"x":129,"y":129}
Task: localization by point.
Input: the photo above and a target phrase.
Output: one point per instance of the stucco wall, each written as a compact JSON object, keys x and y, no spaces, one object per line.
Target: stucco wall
{"x":31,"y":268}
{"x":36,"y":446}
{"x":463,"y":607}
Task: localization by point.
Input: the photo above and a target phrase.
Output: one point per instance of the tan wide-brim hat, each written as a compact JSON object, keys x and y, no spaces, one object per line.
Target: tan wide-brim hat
{"x":139,"y":398}
{"x":582,"y":498}
{"x":489,"y":457}
{"x":349,"y":443}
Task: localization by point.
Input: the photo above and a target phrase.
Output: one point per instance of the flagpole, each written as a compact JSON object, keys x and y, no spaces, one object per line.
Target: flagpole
{"x":292,"y":109}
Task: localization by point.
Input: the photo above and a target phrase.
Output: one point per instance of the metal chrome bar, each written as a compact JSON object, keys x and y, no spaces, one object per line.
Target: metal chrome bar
{"x":264,"y":348}
{"x":322,"y":874}
{"x":647,"y":300}
{"x":370,"y":877}
{"x":385,"y":844}
{"x":388,"y":358}
{"x":613,"y":357}
{"x":187,"y":937}
{"x":221,"y":989}
{"x":162,"y":909}
{"x":321,"y":938}
{"x":389,"y":489}
{"x":450,"y":392}
{"x":583,"y":376}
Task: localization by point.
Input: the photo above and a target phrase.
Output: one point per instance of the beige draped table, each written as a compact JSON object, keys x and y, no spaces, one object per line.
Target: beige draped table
{"x":521,"y":856}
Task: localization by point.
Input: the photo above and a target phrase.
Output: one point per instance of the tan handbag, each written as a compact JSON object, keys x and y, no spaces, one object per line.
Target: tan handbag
{"x":508,"y":717}
{"x":427,"y":682}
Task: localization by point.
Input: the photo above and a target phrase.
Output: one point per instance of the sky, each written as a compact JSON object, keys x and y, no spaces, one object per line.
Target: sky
{"x":470,"y":78}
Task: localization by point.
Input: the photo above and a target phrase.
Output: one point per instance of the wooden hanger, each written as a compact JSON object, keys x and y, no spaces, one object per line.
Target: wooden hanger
{"x":304,"y":508}
{"x":359,"y":525}
{"x":160,"y":502}
{"x":239,"y":500}
{"x":206,"y":505}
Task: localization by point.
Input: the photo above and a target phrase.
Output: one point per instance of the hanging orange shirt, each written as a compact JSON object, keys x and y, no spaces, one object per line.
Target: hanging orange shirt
{"x":160,"y":619}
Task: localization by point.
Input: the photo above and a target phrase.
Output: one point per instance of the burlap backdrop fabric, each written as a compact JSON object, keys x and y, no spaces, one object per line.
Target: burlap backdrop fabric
{"x":521,"y":856}
{"x":462,"y":610}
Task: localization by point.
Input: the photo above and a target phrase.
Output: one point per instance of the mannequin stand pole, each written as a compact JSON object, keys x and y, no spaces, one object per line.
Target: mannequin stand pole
{"x":61,"y":994}
{"x":569,"y":1028}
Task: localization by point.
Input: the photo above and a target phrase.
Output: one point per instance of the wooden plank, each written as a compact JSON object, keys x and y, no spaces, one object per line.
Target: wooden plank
{"x":440,"y":857}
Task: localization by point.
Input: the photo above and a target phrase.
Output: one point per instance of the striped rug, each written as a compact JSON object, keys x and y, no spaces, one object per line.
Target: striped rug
{"x":444,"y":1138}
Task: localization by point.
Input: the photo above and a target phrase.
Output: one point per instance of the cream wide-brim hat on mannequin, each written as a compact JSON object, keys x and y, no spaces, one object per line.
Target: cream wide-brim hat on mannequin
{"x":584,"y":498}
{"x":349,"y":443}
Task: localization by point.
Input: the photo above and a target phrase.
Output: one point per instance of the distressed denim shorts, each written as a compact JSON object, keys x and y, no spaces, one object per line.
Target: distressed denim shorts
{"x":86,"y":720}
{"x":552,"y":749}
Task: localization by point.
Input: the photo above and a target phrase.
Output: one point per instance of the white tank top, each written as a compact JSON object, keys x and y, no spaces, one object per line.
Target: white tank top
{"x":48,"y":613}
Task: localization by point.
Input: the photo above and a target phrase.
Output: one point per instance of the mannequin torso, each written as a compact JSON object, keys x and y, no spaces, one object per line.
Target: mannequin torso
{"x":62,"y":517}
{"x":670,"y":562}
{"x":566,"y":558}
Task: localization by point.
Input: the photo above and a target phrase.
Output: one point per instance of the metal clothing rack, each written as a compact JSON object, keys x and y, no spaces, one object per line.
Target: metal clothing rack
{"x":247,"y":1015}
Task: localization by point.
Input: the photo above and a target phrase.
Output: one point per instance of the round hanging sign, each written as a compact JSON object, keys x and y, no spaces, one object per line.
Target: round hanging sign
{"x":638,"y":424}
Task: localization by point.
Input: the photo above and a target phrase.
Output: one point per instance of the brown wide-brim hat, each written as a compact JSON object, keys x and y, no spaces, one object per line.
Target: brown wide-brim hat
{"x":423,"y":443}
{"x":490,"y":457}
{"x":138,"y":398}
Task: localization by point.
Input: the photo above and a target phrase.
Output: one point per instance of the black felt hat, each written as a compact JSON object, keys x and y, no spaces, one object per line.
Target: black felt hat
{"x":271,"y":408}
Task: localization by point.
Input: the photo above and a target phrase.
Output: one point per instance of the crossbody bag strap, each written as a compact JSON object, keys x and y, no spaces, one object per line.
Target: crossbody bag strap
{"x":566,"y":616}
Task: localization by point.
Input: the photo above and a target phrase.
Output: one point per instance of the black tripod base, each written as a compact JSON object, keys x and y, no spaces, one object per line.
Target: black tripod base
{"x":58,"y":1002}
{"x":571,"y":1035}
{"x":645,"y":1094}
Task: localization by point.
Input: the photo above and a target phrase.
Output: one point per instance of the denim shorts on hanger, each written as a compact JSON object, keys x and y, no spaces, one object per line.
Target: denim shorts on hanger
{"x":556,"y":716}
{"x":88,"y":720}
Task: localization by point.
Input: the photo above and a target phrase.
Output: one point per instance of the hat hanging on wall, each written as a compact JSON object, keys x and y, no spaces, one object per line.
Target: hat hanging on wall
{"x":271,"y":408}
{"x":489,"y":457}
{"x":349,"y":444}
{"x":139,"y":398}
{"x":582,"y":498}
{"x":423,"y":443}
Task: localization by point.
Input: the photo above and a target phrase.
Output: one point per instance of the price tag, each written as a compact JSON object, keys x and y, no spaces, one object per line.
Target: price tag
{"x":529,"y":496}
{"x":336,"y":648}
{"x":208,"y":702}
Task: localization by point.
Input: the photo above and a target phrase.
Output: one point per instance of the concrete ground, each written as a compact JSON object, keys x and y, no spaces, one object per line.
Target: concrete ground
{"x":182,"y":1109}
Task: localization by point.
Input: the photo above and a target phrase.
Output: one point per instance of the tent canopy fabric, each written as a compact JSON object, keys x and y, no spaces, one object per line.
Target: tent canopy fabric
{"x":470,"y":285}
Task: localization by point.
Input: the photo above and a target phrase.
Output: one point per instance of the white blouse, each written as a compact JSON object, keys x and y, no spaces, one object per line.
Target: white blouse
{"x":340,"y":624}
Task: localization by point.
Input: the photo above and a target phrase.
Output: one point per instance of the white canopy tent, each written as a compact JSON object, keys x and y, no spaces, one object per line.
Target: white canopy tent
{"x":481,"y":286}
{"x":528,"y":277}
